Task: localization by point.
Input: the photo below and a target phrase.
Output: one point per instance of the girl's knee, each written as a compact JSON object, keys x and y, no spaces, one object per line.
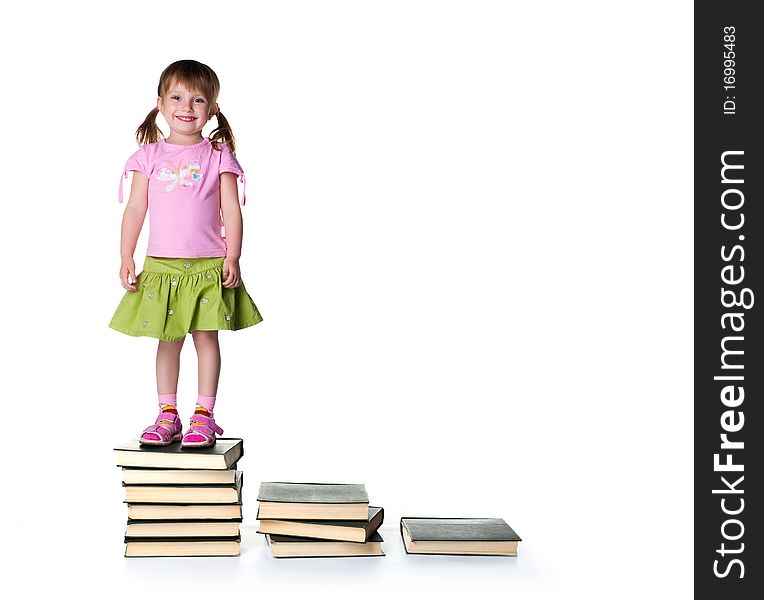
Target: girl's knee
{"x":205,"y":337}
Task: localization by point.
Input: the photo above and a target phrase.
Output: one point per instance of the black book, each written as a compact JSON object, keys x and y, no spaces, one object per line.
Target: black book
{"x":325,"y":501}
{"x":223,"y":455}
{"x":211,"y":538}
{"x":350,"y":531}
{"x":427,"y":535}
{"x":285,"y":546}
{"x":186,"y":494}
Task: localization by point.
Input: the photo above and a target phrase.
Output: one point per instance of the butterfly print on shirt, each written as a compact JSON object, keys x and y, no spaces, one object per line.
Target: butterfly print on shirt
{"x":184,"y":175}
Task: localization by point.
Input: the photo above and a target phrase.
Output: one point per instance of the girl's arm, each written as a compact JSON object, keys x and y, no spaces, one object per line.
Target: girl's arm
{"x":132,"y":222}
{"x":229,"y":204}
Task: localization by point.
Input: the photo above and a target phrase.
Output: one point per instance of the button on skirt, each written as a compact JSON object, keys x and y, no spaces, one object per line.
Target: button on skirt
{"x":179,"y":295}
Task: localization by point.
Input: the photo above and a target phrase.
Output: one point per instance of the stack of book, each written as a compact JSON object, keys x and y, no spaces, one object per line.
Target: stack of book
{"x":319,"y":519}
{"x":426,"y":535}
{"x":182,"y":502}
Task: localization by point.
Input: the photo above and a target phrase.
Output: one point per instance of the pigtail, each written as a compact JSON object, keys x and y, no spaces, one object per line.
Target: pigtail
{"x":148,"y":132}
{"x":223,"y":133}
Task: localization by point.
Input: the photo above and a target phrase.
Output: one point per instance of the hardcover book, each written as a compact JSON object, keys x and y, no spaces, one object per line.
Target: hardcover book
{"x":458,"y":536}
{"x":175,"y":540}
{"x":324,"y":501}
{"x":178,"y":476}
{"x":197,"y":547}
{"x":143,"y":512}
{"x":182,"y":529}
{"x":223,"y":455}
{"x":185,"y":494}
{"x":350,"y":531}
{"x":283,"y":546}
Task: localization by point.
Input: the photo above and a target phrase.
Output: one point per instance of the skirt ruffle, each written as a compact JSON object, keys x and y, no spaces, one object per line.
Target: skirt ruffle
{"x":179,"y":295}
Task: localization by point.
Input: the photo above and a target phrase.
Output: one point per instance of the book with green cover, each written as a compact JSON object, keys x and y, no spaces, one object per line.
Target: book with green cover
{"x":324,"y":501}
{"x":351,"y":531}
{"x":469,"y":536}
{"x":223,"y":455}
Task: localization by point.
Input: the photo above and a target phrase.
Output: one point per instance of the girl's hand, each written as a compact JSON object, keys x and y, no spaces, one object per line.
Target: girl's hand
{"x":231,"y":273}
{"x":128,"y":270}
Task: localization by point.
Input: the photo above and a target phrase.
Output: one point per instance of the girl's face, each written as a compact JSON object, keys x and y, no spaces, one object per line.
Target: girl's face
{"x":186,"y":111}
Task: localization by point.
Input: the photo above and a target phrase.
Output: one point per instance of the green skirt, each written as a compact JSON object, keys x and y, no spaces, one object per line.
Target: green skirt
{"x":178,"y":295}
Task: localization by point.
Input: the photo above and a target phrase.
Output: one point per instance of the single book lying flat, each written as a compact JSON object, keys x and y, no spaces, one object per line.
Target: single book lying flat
{"x":182,"y":529}
{"x":177,"y":476}
{"x":204,"y":547}
{"x":326,"y":501}
{"x":185,"y":494}
{"x":146,"y":512}
{"x":223,"y":455}
{"x":350,"y":531}
{"x":284,"y":546}
{"x":458,"y":536}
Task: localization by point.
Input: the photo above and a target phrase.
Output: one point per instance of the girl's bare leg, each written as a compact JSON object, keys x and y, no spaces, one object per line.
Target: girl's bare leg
{"x":168,"y":366}
{"x":208,"y":353}
{"x":168,"y":369}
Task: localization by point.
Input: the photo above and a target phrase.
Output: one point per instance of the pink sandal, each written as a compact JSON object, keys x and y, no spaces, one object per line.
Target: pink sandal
{"x":165,"y":430}
{"x":202,"y":432}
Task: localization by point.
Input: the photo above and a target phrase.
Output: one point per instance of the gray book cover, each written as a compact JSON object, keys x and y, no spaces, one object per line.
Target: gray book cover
{"x":322,"y":493}
{"x":463,"y":530}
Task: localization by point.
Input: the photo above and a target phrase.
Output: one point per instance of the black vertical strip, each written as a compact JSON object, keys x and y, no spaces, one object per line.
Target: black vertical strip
{"x":728,"y":270}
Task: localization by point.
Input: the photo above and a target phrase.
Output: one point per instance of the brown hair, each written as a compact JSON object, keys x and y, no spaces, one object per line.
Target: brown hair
{"x":195,"y":76}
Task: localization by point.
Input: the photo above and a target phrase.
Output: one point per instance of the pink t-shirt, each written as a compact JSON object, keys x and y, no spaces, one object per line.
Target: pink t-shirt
{"x":184,"y":196}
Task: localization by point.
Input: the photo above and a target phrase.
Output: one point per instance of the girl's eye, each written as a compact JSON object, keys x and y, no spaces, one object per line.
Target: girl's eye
{"x":176,"y":97}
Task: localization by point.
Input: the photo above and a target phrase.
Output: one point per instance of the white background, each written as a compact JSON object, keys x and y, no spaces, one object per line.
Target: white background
{"x":469,"y":232}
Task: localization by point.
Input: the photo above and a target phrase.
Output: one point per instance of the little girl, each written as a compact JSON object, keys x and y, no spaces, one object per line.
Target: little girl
{"x":191,"y":280}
